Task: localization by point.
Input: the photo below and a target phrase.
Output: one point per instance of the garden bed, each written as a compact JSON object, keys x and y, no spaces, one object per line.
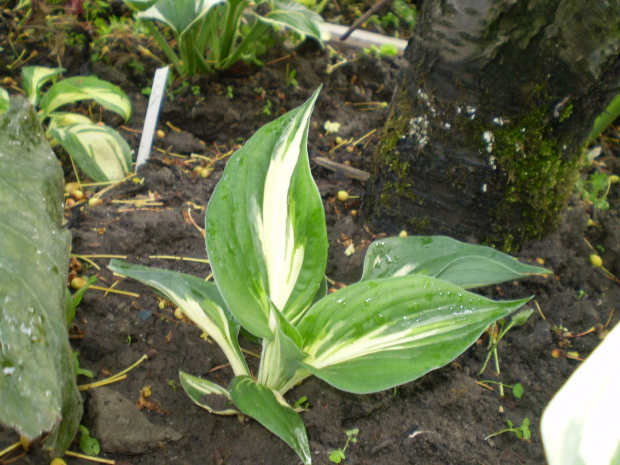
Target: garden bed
{"x":441,"y":418}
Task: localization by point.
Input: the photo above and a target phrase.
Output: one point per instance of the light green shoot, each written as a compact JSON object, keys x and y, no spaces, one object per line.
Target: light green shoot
{"x":522,"y":432}
{"x":496,"y":335}
{"x":88,"y":444}
{"x":337,"y":456}
{"x":301,"y":404}
{"x":517,"y":389}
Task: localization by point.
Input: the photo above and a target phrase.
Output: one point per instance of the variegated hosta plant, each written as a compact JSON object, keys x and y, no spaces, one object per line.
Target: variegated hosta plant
{"x":267,"y":244}
{"x":98,"y":150}
{"x":208,"y":32}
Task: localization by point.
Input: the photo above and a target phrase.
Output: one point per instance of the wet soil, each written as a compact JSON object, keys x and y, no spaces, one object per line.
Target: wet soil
{"x":441,"y":418}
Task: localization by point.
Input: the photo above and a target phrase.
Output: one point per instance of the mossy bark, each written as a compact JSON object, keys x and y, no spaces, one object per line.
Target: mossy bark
{"x":487,"y":129}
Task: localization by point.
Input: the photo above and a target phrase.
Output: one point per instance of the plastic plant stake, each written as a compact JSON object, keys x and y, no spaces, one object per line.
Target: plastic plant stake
{"x":152,"y":115}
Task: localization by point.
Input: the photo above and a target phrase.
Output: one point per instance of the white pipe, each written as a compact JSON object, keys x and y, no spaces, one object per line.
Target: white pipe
{"x":360,"y":38}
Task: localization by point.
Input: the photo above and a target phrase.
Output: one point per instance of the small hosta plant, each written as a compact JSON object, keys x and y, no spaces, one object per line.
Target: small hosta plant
{"x":208,"y":32}
{"x":98,"y":150}
{"x":267,"y":243}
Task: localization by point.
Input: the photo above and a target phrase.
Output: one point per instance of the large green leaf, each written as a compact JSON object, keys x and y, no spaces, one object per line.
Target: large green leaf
{"x":79,"y":88}
{"x":265,"y":226}
{"x":199,"y":300}
{"x":210,"y":396}
{"x":37,"y":386}
{"x":179,"y":15}
{"x":271,"y":410}
{"x":374,"y":335}
{"x":99,"y":151}
{"x":35,"y":77}
{"x":466,"y":265}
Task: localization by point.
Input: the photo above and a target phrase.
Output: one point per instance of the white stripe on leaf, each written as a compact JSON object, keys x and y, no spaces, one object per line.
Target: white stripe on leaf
{"x":283,"y":259}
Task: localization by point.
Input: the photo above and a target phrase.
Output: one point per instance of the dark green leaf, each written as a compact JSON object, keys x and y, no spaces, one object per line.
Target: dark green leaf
{"x":37,"y":384}
{"x":466,"y":265}
{"x":374,"y":335}
{"x":265,"y":226}
{"x":271,"y":410}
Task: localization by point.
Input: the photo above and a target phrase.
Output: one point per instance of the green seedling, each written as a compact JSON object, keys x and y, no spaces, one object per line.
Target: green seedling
{"x":267,"y":108}
{"x":595,"y":189}
{"x":72,"y":301}
{"x":76,"y":367}
{"x":497,"y":331}
{"x":517,"y":389}
{"x":301,"y":404}
{"x":522,"y":432}
{"x":230,"y":92}
{"x":290,"y":78}
{"x":266,"y":239}
{"x":88,"y":444}
{"x":337,"y":456}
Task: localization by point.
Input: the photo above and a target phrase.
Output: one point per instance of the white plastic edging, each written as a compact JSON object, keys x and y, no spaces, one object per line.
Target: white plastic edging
{"x":152,"y":115}
{"x":360,"y":38}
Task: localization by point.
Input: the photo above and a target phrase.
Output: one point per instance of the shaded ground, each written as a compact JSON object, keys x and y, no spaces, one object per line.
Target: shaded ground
{"x":451,"y":411}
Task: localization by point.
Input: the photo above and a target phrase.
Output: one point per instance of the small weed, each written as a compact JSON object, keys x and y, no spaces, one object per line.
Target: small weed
{"x":517,"y":388}
{"x":595,"y":189}
{"x":302,"y":403}
{"x":88,"y":444}
{"x":267,"y":108}
{"x":522,"y":432}
{"x":337,"y":456}
{"x":290,"y":78}
{"x":496,"y":334}
{"x":230,"y":92}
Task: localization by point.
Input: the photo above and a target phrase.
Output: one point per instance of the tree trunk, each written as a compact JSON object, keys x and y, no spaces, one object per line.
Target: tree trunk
{"x":486,"y":132}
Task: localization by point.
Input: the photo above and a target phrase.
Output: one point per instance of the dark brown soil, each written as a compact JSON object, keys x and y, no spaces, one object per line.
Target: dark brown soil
{"x":450,"y":411}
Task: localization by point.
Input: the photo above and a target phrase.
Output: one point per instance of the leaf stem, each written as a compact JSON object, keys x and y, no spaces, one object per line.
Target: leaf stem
{"x":114,"y":378}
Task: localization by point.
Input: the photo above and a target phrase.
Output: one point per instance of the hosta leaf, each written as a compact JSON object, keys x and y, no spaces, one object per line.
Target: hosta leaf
{"x":139,"y":5}
{"x":265,"y":226}
{"x":99,"y":151}
{"x":179,"y":15}
{"x":37,"y":385}
{"x":66,"y":118}
{"x":292,"y":15}
{"x":79,"y":88}
{"x":198,"y":299}
{"x":35,"y":77}
{"x":374,"y":335}
{"x":466,"y":265}
{"x":280,"y":368}
{"x":210,"y":396}
{"x":271,"y":410}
